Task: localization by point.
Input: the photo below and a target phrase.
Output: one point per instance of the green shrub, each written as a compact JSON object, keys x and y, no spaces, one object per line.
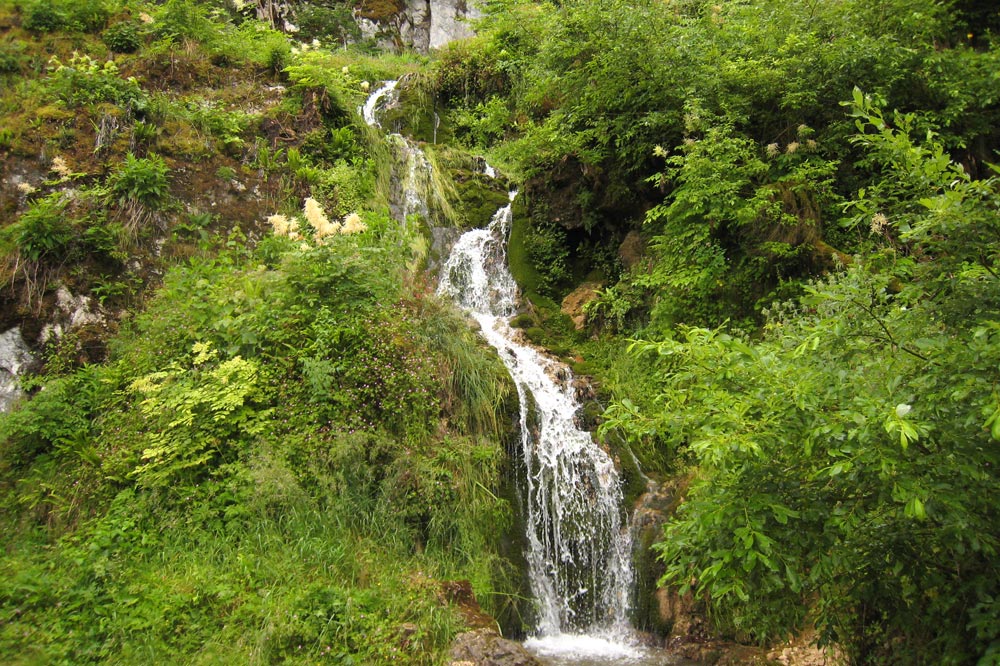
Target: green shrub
{"x":76,"y":15}
{"x":43,"y":232}
{"x":142,"y":180}
{"x":11,"y":57}
{"x":88,"y":15}
{"x":549,"y":253}
{"x":83,"y":80}
{"x":43,"y":16}
{"x":335,"y":24}
{"x":178,"y":20}
{"x":122,"y":37}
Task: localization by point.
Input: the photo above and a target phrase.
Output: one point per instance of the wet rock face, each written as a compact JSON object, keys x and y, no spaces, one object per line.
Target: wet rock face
{"x":485,"y":647}
{"x":15,"y":359}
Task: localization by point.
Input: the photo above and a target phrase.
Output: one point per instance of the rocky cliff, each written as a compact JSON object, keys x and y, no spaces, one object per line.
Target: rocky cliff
{"x":423,"y":25}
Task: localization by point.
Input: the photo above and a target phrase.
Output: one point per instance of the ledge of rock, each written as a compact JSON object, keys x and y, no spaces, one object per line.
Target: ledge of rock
{"x":485,"y":647}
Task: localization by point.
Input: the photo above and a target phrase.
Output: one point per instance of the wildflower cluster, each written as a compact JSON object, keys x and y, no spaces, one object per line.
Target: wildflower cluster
{"x":317,"y":218}
{"x":60,"y":167}
{"x":880,"y":224}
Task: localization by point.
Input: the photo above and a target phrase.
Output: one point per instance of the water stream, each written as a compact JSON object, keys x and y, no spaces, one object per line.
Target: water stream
{"x":579,"y":545}
{"x":579,"y":563}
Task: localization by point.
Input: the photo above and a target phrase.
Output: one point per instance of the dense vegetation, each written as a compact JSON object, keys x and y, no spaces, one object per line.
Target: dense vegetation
{"x":817,"y":314}
{"x":290,"y":446}
{"x":792,"y":217}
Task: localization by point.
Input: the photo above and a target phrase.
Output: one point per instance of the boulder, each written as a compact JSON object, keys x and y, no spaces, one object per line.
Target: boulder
{"x":486,"y":647}
{"x":573,"y":304}
{"x":632,"y":249}
{"x":15,"y":359}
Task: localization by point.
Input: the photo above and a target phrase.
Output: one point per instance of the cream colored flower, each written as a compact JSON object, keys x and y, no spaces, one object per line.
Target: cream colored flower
{"x":353,"y":224}
{"x":880,"y":223}
{"x":146,"y":18}
{"x":282,"y":225}
{"x":318,"y":220}
{"x":60,"y":167}
{"x":26,"y":188}
{"x":773,"y":149}
{"x":792,"y":147}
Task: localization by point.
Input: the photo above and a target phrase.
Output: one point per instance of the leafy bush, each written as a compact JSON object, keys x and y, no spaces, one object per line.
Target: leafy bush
{"x":845,"y":457}
{"x":89,"y":15}
{"x":327,"y":24}
{"x":85,"y":81}
{"x":178,"y":20}
{"x":122,"y":37}
{"x":549,"y":254}
{"x":43,"y":16}
{"x":81,"y":15}
{"x":141,"y":180}
{"x":43,"y":233}
{"x":11,"y":56}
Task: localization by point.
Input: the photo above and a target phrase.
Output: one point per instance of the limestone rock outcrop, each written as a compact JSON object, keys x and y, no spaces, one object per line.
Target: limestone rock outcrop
{"x":426,"y":24}
{"x":15,"y":359}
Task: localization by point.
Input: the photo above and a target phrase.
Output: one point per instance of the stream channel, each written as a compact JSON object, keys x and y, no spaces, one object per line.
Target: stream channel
{"x":579,"y":545}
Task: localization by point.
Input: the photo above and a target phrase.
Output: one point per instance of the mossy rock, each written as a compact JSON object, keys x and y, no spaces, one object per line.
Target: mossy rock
{"x":479,"y":199}
{"x":535,"y":334}
{"x":524,"y":321}
{"x":589,"y":415}
{"x":380,"y":10}
{"x":517,"y":254}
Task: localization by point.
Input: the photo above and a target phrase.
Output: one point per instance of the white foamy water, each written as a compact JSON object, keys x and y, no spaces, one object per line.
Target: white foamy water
{"x":377,"y":101}
{"x":578,"y":549}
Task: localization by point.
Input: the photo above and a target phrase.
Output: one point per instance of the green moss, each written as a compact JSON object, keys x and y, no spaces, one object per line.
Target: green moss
{"x":478,"y":199}
{"x":535,"y":334}
{"x":517,"y":254}
{"x":524,"y":321}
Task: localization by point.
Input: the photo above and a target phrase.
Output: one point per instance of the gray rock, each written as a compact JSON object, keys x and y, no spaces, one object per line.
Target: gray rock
{"x":431,"y":24}
{"x":15,"y":359}
{"x":485,"y":647}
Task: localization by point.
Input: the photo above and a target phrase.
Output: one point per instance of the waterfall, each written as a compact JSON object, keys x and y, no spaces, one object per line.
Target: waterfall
{"x":579,"y":550}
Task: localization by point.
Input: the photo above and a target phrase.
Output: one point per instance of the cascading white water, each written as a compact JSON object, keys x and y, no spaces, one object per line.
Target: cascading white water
{"x":579,"y":551}
{"x":409,"y":197}
{"x":377,"y":101}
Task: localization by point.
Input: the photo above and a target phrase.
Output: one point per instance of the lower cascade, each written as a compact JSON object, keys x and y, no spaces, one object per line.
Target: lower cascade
{"x":578,"y":548}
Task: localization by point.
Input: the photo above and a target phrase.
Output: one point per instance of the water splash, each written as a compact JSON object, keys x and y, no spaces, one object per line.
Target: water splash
{"x":578,"y":550}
